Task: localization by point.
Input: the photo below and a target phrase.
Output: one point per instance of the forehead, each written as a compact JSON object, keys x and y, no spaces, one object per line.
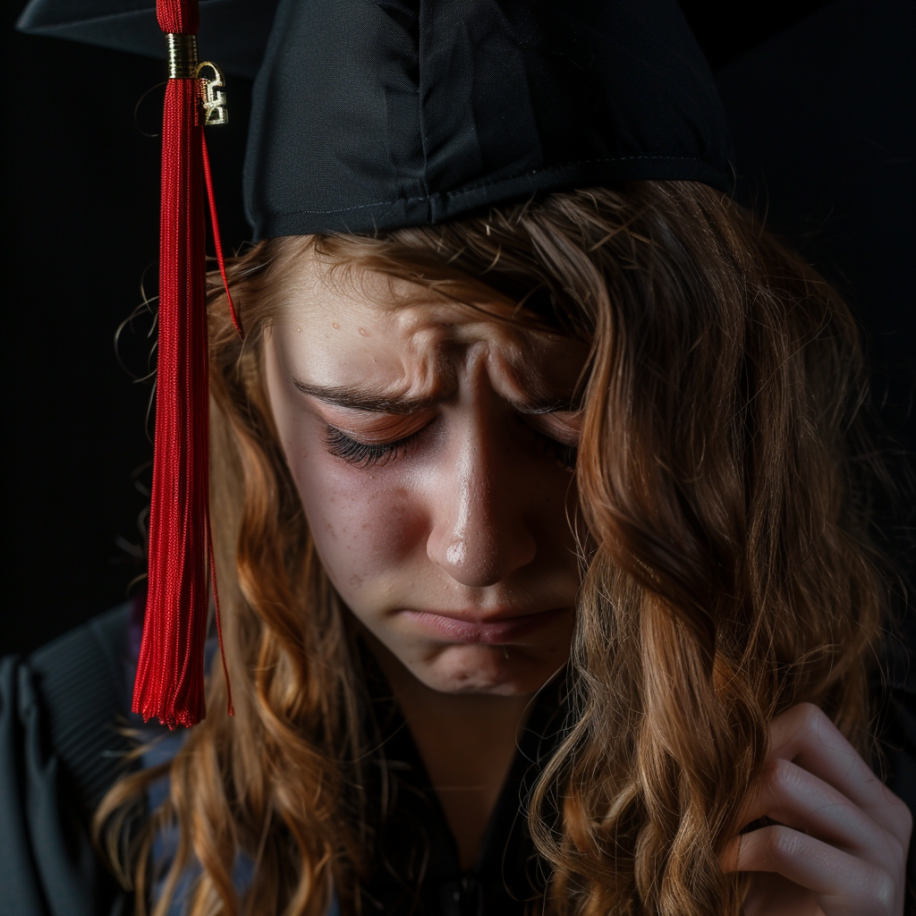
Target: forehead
{"x":342,"y":327}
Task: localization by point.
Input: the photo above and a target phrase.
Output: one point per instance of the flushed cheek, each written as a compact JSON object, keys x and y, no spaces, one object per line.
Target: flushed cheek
{"x":366,"y":527}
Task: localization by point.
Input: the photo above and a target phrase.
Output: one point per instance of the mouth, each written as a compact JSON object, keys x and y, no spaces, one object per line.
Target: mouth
{"x":496,"y":630}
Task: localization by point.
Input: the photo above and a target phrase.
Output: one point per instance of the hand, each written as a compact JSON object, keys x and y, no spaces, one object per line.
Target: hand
{"x":840,"y":842}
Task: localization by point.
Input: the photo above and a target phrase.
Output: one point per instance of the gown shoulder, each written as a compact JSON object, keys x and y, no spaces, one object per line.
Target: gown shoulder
{"x":60,"y":749}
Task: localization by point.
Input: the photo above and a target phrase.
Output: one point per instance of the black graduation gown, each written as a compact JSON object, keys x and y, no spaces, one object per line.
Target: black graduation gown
{"x":60,"y":750}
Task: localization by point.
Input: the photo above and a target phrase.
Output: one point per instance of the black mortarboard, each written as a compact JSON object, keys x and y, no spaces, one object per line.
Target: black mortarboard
{"x":373,"y":114}
{"x":384,"y":113}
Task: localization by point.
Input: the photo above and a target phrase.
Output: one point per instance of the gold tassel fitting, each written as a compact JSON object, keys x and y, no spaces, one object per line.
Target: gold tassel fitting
{"x":182,"y":56}
{"x":212,"y":94}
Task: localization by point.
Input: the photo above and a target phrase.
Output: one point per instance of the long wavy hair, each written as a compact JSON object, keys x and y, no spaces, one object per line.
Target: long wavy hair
{"x":728,"y":573}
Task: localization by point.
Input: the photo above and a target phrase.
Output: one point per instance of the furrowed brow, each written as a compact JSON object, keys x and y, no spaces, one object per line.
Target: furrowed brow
{"x":377,"y":402}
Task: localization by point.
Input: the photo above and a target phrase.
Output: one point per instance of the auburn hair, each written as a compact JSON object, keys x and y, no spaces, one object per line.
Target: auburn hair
{"x":728,"y":573}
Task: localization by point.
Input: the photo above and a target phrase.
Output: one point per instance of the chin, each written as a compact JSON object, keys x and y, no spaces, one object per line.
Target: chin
{"x":494,"y":670}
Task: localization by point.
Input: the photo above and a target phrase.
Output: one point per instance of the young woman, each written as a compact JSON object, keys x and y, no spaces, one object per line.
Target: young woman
{"x":539,"y":501}
{"x":577,"y":475}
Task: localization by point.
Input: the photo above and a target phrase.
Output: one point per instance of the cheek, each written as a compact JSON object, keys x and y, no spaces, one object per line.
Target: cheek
{"x":367,"y":526}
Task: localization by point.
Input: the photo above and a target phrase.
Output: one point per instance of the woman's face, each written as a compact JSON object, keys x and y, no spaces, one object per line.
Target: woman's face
{"x":432,"y":448}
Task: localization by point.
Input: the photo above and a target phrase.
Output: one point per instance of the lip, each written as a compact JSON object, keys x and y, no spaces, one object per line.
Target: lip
{"x":497,"y":629}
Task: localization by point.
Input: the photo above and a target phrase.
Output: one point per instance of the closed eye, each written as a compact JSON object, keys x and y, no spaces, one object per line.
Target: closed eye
{"x":363,"y":454}
{"x":565,"y":450}
{"x":554,"y":435}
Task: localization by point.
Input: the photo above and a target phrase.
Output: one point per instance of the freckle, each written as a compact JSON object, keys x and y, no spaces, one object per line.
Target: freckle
{"x":364,"y":332}
{"x":335,"y":325}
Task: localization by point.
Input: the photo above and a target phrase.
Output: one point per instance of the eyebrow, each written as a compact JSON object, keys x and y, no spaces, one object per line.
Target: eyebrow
{"x":366,"y":399}
{"x":378,"y":402}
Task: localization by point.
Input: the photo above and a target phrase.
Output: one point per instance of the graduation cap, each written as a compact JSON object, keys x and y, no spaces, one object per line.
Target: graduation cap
{"x":369,"y":115}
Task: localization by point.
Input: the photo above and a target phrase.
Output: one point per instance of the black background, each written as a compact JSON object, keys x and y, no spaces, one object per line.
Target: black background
{"x":82,"y":229}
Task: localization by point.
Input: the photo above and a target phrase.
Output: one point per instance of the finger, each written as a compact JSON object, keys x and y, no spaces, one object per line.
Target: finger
{"x":843,"y":883}
{"x":797,"y":798}
{"x":805,"y":736}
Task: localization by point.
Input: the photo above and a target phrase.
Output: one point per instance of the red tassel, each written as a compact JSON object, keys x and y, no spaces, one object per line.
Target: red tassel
{"x":170,"y":674}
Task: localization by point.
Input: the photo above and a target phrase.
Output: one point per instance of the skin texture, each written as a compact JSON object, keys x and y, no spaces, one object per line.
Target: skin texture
{"x":464,"y":509}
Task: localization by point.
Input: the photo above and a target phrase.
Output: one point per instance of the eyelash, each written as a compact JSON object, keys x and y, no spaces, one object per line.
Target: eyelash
{"x":362,"y":456}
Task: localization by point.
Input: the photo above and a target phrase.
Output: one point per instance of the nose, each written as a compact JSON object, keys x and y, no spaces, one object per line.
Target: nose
{"x":481,"y":531}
